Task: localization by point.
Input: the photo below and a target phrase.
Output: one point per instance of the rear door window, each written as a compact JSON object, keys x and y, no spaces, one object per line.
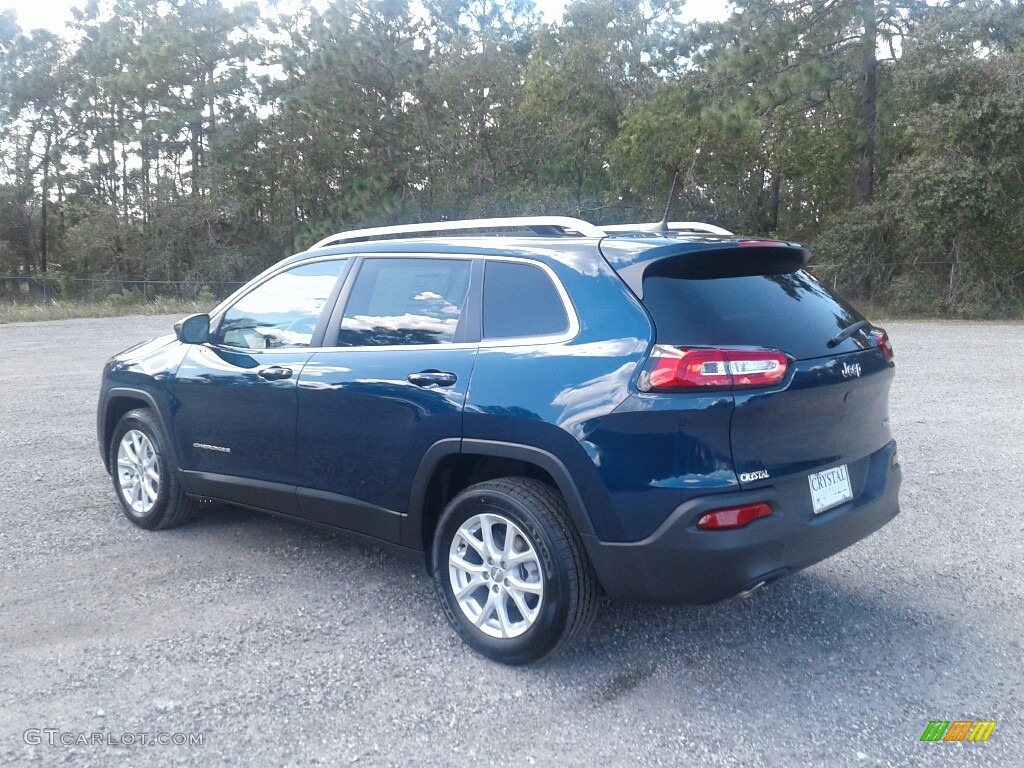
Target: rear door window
{"x":791,"y":312}
{"x":405,"y":301}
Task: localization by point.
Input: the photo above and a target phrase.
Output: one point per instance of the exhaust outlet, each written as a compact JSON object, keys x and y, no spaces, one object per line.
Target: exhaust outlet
{"x":748,"y":592}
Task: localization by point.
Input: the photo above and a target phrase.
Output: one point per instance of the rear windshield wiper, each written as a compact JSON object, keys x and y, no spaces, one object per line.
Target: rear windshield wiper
{"x":846,"y":333}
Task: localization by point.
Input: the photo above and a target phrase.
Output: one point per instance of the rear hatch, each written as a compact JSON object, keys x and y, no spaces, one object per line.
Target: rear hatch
{"x":824,"y":405}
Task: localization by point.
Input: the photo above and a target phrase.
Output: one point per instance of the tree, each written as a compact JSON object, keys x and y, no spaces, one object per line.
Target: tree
{"x":582,"y":77}
{"x":37,"y":81}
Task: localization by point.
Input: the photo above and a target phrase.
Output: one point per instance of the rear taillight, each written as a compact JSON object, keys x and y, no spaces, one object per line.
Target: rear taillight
{"x":733,"y":517}
{"x":883,"y":342}
{"x":672,"y":368}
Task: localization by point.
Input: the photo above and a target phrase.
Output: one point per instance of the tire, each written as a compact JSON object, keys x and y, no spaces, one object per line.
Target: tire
{"x":144,"y":474}
{"x":540,"y":591}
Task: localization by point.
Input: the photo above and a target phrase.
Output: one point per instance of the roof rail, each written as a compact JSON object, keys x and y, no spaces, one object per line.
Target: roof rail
{"x":539,"y":225}
{"x":656,"y":227}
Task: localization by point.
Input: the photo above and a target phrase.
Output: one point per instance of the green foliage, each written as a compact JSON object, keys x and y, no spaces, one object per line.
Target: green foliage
{"x":199,"y":141}
{"x":954,"y":189}
{"x":61,"y":310}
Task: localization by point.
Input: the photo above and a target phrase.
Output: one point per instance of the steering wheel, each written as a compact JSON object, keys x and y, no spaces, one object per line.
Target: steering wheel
{"x":301,"y":325}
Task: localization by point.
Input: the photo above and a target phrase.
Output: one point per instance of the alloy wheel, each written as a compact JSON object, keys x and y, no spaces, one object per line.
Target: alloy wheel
{"x":138,"y":471}
{"x":496,"y":575}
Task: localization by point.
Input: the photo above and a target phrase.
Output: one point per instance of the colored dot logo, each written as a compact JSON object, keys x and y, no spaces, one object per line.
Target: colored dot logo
{"x":958,"y":730}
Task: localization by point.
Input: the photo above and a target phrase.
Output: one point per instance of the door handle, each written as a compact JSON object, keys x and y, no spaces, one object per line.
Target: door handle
{"x":432,"y":378}
{"x":275,"y":373}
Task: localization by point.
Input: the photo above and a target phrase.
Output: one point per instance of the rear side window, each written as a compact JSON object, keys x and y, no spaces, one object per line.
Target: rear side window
{"x":519,"y":301}
{"x":405,"y":301}
{"x":791,"y":312}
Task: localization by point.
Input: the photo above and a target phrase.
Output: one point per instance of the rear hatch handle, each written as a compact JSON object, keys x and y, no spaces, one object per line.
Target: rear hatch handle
{"x":846,"y":333}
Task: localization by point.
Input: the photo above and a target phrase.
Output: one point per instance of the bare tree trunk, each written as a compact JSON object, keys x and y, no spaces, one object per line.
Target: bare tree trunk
{"x":124,"y":181}
{"x":42,"y":208}
{"x":61,"y":228}
{"x":26,"y":183}
{"x":294,"y":222}
{"x":776,"y":198}
{"x":868,"y":105}
{"x":195,"y":141}
{"x":144,"y":151}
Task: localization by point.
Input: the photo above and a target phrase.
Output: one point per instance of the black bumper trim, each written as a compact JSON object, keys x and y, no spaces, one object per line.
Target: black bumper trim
{"x":680,"y":564}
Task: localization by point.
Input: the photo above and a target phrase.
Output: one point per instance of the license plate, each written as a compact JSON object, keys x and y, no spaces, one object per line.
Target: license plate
{"x":829,"y":488}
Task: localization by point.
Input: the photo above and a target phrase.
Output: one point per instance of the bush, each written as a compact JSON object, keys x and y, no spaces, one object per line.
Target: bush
{"x":127,"y":298}
{"x":67,"y":287}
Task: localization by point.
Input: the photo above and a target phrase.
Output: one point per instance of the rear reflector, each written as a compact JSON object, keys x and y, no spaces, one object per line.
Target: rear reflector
{"x":733,"y":517}
{"x":672,"y":368}
{"x":883,"y":341}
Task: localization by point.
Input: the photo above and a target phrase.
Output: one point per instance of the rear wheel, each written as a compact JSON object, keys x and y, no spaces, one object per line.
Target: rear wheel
{"x":510,"y":570}
{"x":145,"y":478}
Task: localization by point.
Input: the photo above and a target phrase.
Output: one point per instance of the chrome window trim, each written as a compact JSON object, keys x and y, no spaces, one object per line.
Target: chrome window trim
{"x":218,"y":312}
{"x":518,"y":341}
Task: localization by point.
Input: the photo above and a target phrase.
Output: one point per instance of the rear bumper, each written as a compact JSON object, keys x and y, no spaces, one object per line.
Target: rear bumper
{"x":680,"y":564}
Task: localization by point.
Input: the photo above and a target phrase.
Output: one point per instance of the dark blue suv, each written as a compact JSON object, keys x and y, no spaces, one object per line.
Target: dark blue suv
{"x":676,"y":415}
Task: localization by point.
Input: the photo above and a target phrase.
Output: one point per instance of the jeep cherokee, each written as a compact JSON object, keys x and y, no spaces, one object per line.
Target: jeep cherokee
{"x":541,"y":409}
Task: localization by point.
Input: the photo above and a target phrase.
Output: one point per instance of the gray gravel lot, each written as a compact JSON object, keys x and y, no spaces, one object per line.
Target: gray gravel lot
{"x":285,"y":645}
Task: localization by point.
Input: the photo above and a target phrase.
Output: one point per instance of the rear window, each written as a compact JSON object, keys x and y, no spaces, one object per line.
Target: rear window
{"x":519,"y":301}
{"x":792,"y":312}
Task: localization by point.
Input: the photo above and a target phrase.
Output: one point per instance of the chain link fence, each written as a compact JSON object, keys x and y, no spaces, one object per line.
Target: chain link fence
{"x":34,"y":289}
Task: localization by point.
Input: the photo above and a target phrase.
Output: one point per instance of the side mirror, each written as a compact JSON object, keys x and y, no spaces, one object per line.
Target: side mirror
{"x":194,"y":329}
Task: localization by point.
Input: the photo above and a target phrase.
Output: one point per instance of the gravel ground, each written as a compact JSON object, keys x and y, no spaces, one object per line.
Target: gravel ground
{"x":281,"y":644}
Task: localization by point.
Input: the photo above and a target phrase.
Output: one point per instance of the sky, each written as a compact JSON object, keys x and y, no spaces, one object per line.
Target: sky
{"x":53,"y":14}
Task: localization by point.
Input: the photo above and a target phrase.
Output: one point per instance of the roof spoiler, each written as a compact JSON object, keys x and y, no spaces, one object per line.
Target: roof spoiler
{"x":667,"y":228}
{"x":708,"y":261}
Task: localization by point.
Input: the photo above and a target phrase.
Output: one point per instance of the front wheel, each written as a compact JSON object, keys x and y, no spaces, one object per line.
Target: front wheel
{"x":144,"y":477}
{"x":510,"y":570}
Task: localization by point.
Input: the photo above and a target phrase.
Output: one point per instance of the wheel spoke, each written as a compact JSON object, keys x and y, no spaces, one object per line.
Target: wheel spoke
{"x":464,"y":565}
{"x":517,"y":597}
{"x":473,"y":541}
{"x":486,"y":610}
{"x":534,"y":588}
{"x":137,"y":499}
{"x":487,"y":530}
{"x":150,"y":489}
{"x":471,"y":586}
{"x":519,"y":558}
{"x":501,"y":608}
{"x":511,"y":537}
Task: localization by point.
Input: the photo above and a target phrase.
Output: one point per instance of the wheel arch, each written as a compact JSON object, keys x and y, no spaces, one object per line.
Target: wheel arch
{"x":119,"y":401}
{"x":451,"y":465}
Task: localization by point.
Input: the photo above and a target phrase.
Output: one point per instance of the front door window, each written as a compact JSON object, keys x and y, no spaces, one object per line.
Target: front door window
{"x":283,"y":311}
